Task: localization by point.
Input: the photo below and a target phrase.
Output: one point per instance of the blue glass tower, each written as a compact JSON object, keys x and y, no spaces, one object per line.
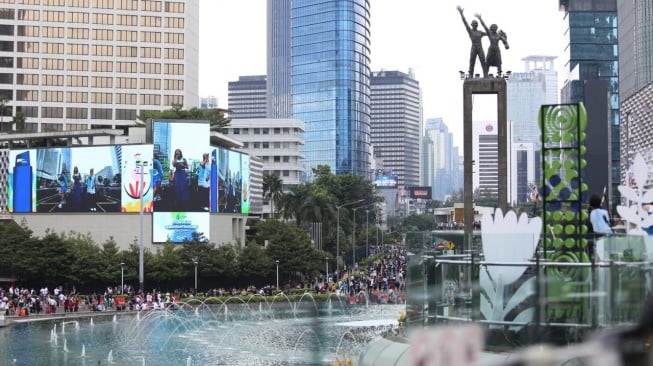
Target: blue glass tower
{"x":331,"y":83}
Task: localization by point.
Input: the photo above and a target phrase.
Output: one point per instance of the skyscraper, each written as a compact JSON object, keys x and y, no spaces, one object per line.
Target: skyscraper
{"x":591,"y":61}
{"x":279,"y":61}
{"x":635,"y":46}
{"x":526,"y":92}
{"x":396,"y":117}
{"x":443,"y":157}
{"x":329,"y":78}
{"x":247,"y":97}
{"x":79,"y":64}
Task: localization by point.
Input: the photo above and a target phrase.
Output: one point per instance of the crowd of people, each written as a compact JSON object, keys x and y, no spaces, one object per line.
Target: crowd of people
{"x":380,"y":282}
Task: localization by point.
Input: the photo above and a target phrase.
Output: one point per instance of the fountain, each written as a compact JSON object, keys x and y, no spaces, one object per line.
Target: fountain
{"x":235,"y":331}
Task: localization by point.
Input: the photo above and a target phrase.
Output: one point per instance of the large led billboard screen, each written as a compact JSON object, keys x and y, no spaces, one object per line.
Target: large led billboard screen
{"x":178,"y":227}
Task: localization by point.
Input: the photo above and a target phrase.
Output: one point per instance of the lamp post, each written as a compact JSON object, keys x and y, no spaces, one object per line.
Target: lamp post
{"x":122,"y":278}
{"x":195,"y":262}
{"x":141,"y":249}
{"x":367,"y":232}
{"x":353,"y":233}
{"x":338,"y":258}
{"x":277,"y":262}
{"x":326,"y":260}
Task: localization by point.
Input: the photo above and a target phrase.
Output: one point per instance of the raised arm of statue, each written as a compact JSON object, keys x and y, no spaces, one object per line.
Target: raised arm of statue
{"x":487,"y":30}
{"x":462,"y":16}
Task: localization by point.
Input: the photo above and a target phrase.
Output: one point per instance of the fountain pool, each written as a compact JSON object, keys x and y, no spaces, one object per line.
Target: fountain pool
{"x":286,"y":333}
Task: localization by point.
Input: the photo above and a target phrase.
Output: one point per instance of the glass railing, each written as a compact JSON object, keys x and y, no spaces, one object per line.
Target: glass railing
{"x":559,"y":296}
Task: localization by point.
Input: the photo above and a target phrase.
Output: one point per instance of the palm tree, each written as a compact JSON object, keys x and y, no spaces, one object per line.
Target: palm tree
{"x":272,"y":189}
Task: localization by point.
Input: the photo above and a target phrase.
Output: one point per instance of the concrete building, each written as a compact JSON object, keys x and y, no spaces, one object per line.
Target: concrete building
{"x":486,"y":167}
{"x":247,"y":97}
{"x":279,"y":59}
{"x":76,"y":65}
{"x":635,"y":32}
{"x":276,"y":142}
{"x":396,"y":119}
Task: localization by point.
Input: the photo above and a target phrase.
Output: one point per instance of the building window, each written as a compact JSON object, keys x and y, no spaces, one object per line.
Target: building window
{"x":127,"y":4}
{"x":77,"y":113}
{"x":125,"y":114}
{"x":77,"y":97}
{"x":174,"y":22}
{"x":127,"y":20}
{"x":174,"y":53}
{"x":126,"y":67}
{"x":102,"y":50}
{"x":175,"y":38}
{"x":151,"y":84}
{"x":27,"y":79}
{"x":53,"y":32}
{"x":27,"y":95}
{"x":74,"y":80}
{"x":174,"y":85}
{"x":28,"y":111}
{"x":150,"y":68}
{"x":101,"y":82}
{"x":53,"y":16}
{"x":103,"y":4}
{"x":150,"y":5}
{"x":74,"y":17}
{"x":174,"y":69}
{"x":150,"y":99}
{"x":78,"y":49}
{"x":33,"y":15}
{"x":102,"y":66}
{"x":53,"y":80}
{"x":101,"y":98}
{"x":51,"y":112}
{"x":101,"y":113}
{"x":28,"y":31}
{"x":174,"y":100}
{"x":124,"y":98}
{"x":152,"y":37}
{"x":150,"y":52}
{"x":102,"y":34}
{"x":27,"y":47}
{"x":78,"y":33}
{"x":77,"y":65}
{"x":52,"y":64}
{"x":174,"y":7}
{"x":150,"y":21}
{"x":52,"y":48}
{"x":78,"y":3}
{"x":126,"y":83}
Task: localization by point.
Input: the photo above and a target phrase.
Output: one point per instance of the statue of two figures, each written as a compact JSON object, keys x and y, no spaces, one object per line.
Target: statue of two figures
{"x":493,"y":58}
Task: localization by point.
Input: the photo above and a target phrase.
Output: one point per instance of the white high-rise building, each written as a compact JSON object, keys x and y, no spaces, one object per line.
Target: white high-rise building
{"x":80,"y":64}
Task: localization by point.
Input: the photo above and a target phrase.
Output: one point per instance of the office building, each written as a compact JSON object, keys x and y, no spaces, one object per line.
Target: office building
{"x":591,"y":61}
{"x":443,"y":157}
{"x":486,"y":167}
{"x":526,"y":92}
{"x":80,"y":64}
{"x":209,"y":102}
{"x":247,"y":97}
{"x":396,"y":118}
{"x":277,"y":142}
{"x":279,"y":60}
{"x":635,"y":25}
{"x":329,"y":52}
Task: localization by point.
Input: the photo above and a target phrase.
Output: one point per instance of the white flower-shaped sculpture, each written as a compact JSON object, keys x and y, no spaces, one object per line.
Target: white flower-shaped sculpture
{"x":633,"y":213}
{"x":506,"y":239}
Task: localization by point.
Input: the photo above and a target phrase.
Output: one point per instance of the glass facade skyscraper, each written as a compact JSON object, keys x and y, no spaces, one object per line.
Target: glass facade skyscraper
{"x":591,"y":54}
{"x":331,"y":82}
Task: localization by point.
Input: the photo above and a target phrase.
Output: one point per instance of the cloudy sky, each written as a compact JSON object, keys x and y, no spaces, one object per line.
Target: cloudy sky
{"x":425,"y":36}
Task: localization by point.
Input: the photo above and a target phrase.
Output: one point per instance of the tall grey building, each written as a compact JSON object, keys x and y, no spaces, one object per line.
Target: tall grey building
{"x":329,"y":53}
{"x":247,"y":97}
{"x":80,"y":64}
{"x":396,"y":119}
{"x":443,"y":178}
{"x":635,"y":26}
{"x":592,"y":66}
{"x":279,"y":59}
{"x":527,"y":91}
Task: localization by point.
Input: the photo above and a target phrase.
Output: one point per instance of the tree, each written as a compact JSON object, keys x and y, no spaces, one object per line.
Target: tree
{"x":272,"y":189}
{"x":19,"y":121}
{"x":255,"y":265}
{"x":216,"y":116}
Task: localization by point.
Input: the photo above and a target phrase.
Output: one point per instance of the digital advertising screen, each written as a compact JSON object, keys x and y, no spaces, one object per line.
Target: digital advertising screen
{"x":229,"y":181}
{"x":137,"y":172}
{"x":178,"y":227}
{"x":181,"y":174}
{"x":385,"y":181}
{"x":78,"y":179}
{"x":21,"y":183}
{"x":420,"y":192}
{"x":182,"y":164}
{"x":244,"y":200}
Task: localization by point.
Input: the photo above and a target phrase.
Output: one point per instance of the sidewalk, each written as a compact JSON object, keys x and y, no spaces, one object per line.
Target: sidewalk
{"x":6,"y":320}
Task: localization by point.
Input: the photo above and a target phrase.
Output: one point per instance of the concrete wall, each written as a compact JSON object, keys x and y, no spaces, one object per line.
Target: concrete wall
{"x":125,"y":228}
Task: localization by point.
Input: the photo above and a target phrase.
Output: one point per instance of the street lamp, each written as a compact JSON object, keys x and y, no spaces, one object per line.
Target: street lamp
{"x":353,"y":233}
{"x":277,"y":274}
{"x":326,"y":260}
{"x":122,"y":278}
{"x":338,"y":258}
{"x":195,"y":262}
{"x":367,"y":232}
{"x":141,"y":249}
